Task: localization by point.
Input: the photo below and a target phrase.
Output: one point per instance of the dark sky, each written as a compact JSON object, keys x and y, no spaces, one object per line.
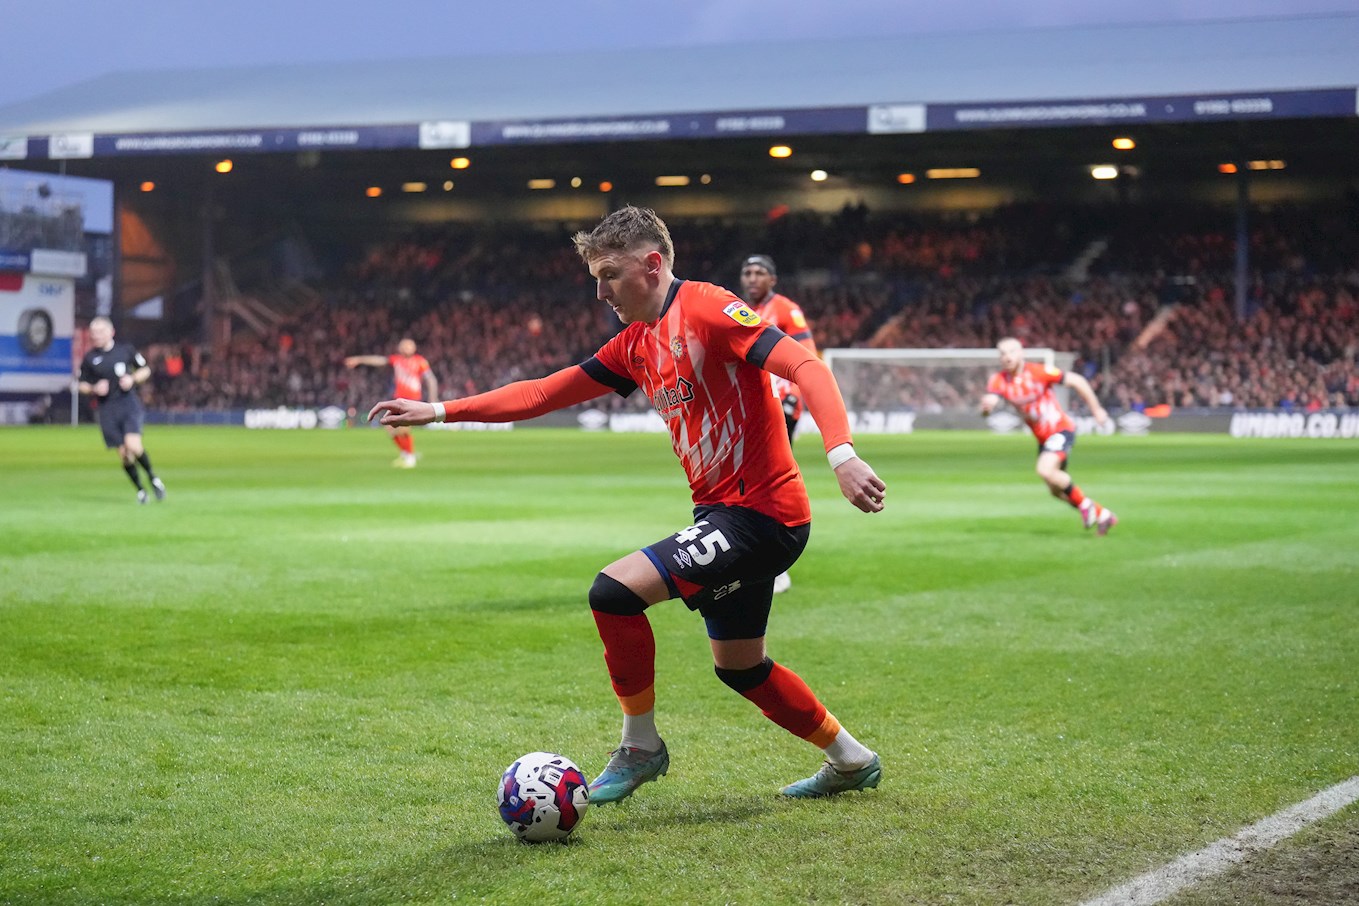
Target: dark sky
{"x":55,"y":43}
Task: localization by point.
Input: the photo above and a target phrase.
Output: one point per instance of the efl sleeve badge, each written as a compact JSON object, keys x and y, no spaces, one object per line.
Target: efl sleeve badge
{"x":741,"y":314}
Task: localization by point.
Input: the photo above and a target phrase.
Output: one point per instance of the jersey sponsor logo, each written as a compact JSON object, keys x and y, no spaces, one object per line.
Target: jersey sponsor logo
{"x":677,"y":348}
{"x":740,"y":313}
{"x":670,"y":398}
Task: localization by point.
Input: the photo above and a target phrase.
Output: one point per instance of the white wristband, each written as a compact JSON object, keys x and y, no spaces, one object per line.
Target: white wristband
{"x":440,"y":413}
{"x":841,"y":454}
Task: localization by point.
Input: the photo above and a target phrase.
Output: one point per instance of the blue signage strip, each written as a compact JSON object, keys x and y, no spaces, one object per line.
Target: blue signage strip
{"x":876,"y":119}
{"x":323,"y":138}
{"x":1197,"y":108}
{"x":821,"y":120}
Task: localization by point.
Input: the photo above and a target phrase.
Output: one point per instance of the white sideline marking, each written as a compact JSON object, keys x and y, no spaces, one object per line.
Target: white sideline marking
{"x":1164,"y":882}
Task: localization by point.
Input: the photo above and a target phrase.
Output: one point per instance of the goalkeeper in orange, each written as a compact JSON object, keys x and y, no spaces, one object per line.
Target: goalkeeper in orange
{"x":1028,"y":388}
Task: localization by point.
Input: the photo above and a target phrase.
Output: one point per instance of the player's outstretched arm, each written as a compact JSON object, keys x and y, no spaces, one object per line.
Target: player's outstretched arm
{"x":511,"y":403}
{"x":858,"y":482}
{"x":353,"y":361}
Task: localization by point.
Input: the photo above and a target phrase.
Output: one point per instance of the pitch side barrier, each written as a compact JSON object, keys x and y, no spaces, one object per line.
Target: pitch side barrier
{"x":1330,"y":424}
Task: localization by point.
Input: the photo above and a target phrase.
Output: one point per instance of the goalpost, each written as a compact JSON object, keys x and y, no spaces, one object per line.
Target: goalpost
{"x":895,"y":391}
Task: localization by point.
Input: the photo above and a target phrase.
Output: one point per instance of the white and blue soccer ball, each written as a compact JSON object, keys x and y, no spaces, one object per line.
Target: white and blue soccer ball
{"x":543,"y":796}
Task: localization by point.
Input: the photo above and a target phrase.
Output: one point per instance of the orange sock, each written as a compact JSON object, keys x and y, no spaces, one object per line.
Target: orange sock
{"x":1074,"y":495}
{"x":405,"y":443}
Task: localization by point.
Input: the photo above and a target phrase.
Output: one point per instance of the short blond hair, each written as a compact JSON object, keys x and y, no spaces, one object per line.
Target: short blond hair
{"x":629,"y":229}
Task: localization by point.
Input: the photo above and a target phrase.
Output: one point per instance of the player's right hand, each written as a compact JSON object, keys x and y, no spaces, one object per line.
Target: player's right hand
{"x":400,"y":413}
{"x":861,"y":485}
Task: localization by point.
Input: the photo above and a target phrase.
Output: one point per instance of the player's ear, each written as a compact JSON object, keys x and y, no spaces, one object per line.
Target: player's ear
{"x":654,"y":261}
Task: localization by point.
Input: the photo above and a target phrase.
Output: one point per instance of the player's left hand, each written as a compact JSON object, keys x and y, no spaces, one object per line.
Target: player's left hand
{"x":1101,"y":416}
{"x":861,"y":485}
{"x":400,"y":413}
{"x":126,"y":382}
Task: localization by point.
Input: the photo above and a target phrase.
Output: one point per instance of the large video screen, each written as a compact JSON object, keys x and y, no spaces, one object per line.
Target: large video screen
{"x":56,"y":262}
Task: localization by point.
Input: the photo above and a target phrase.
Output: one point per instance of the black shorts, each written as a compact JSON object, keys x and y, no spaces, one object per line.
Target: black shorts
{"x":119,"y":419}
{"x":1059,"y":443}
{"x":724,"y":566}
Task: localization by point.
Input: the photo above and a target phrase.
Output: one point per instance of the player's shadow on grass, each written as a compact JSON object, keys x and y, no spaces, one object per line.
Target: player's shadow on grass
{"x":485,"y":867}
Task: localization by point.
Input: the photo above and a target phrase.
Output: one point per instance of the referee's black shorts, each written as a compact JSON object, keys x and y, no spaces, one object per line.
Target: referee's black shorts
{"x":119,"y":418}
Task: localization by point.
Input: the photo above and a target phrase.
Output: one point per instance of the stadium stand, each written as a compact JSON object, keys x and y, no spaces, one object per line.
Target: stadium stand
{"x":1152,"y":325}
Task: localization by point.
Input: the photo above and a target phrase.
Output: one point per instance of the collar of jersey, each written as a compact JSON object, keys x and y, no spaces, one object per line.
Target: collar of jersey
{"x":669,"y":297}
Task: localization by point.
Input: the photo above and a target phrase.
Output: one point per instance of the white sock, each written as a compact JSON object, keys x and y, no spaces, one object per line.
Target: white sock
{"x":845,"y":753}
{"x":639,"y":732}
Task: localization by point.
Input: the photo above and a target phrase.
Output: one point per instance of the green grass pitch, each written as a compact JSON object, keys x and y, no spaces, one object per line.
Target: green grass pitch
{"x":299,"y":678}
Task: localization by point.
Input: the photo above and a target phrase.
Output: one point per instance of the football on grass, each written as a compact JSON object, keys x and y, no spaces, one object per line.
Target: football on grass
{"x":543,"y":796}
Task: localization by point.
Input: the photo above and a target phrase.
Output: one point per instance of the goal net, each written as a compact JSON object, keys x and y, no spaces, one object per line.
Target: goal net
{"x":898,"y":390}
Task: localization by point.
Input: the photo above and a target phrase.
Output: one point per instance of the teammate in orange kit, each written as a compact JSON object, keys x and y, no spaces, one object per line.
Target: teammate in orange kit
{"x":702,"y":356}
{"x":411,"y":373}
{"x":758,"y":277}
{"x":1028,"y":387}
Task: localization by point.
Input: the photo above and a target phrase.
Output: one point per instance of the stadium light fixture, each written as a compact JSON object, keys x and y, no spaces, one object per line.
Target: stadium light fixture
{"x":1123,"y":143}
{"x":606,"y":186}
{"x":373,"y":191}
{"x":905,"y":178}
{"x":952,"y":173}
{"x":413,"y":187}
{"x":1266,"y":164}
{"x":672,"y":180}
{"x":460,"y":163}
{"x":1104,"y":171}
{"x":575,"y":182}
{"x":780,"y":151}
{"x":542,"y":184}
{"x":224,"y":166}
{"x":448,"y":185}
{"x":706,"y":179}
{"x":148,"y":186}
{"x":819,"y":175}
{"x":1226,"y":168}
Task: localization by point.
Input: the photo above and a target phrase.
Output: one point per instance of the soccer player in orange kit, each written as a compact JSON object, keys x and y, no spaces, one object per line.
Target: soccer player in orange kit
{"x":410,"y":373}
{"x":1028,"y":387}
{"x":758,"y":277}
{"x":703,"y":357}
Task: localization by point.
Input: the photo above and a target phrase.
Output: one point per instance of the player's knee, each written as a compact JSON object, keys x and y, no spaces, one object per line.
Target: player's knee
{"x":608,"y":595}
{"x":749,"y":678}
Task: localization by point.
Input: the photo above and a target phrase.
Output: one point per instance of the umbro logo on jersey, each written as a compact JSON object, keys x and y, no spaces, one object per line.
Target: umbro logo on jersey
{"x":677,"y":348}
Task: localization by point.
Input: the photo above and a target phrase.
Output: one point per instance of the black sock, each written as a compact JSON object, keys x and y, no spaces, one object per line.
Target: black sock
{"x":146,"y":464}
{"x":131,"y":470}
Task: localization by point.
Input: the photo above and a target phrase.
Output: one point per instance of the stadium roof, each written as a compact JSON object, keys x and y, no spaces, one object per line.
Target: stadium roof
{"x":1309,"y":64}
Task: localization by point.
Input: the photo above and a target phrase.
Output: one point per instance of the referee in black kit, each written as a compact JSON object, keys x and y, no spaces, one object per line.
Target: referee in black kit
{"x":111,"y":372}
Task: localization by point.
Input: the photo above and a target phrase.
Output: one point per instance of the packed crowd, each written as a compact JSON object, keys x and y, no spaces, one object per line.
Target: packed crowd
{"x":1154,"y":324}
